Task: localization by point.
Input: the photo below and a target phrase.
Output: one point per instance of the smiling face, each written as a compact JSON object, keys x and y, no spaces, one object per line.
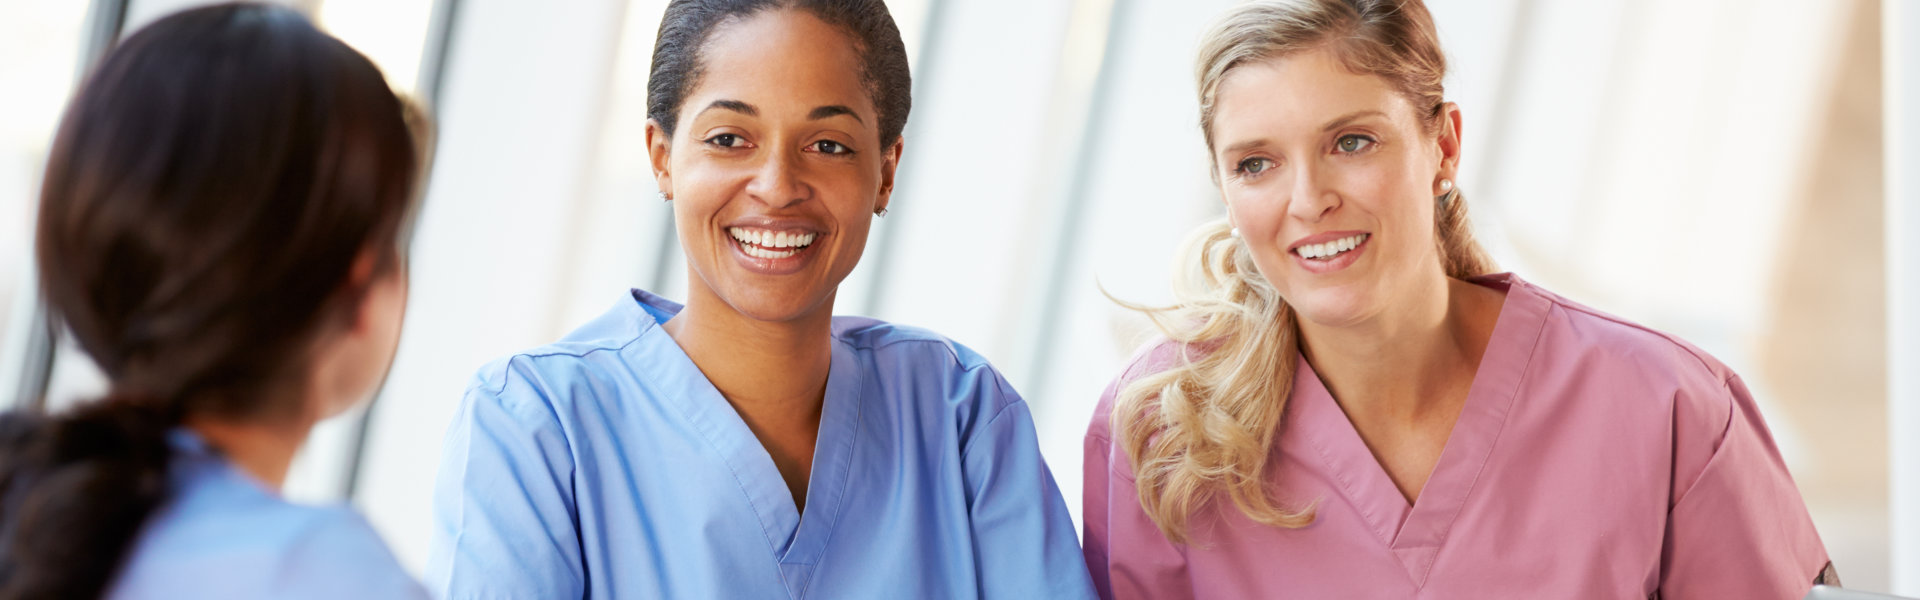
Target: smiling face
{"x":775,"y":167}
{"x":1331,"y":176}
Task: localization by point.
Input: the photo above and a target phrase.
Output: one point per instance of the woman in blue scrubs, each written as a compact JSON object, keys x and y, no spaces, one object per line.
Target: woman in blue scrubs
{"x":749,"y":444}
{"x":220,"y":228}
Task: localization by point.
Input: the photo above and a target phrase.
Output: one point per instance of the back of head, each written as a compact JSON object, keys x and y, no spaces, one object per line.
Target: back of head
{"x":209,"y":191}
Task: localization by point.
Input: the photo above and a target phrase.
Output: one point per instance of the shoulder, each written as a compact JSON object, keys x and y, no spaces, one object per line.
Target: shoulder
{"x":913,"y":352}
{"x":1620,"y":339}
{"x":895,"y":342}
{"x":227,"y":538}
{"x":1636,"y":358}
{"x":609,"y":334}
{"x":929,"y":370}
{"x":531,"y":383}
{"x":1583,"y":329}
{"x":339,"y":555}
{"x":1155,"y":356}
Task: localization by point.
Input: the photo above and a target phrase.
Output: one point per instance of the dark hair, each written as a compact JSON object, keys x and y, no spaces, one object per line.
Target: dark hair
{"x":687,"y":24}
{"x":208,"y":193}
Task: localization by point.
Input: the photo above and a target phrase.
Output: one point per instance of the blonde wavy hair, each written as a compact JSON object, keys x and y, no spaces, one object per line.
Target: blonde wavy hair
{"x":1208,"y":424}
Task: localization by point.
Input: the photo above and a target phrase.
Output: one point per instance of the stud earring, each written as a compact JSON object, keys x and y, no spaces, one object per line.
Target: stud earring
{"x":880,"y":213}
{"x":1446,"y":185}
{"x":1235,"y":232}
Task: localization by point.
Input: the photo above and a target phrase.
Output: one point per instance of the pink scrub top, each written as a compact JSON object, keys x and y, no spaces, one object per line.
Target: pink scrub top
{"x":1594,"y":458}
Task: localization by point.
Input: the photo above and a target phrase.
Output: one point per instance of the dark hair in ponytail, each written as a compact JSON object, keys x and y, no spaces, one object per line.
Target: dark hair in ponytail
{"x":210,"y":188}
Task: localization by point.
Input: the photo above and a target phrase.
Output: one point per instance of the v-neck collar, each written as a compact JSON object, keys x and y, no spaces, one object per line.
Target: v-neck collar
{"x":1414,"y":533}
{"x":795,"y":542}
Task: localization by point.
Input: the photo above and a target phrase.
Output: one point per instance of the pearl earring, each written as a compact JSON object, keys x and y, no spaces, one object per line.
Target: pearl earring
{"x":1446,"y":185}
{"x":1235,"y":232}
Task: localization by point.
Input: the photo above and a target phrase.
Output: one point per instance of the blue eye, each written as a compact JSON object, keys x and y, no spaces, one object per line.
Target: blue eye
{"x":726,"y":140}
{"x":1354,"y":143}
{"x":1254,"y":166}
{"x":831,"y":147}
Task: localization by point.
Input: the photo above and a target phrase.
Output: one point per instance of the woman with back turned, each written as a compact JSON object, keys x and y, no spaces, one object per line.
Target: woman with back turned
{"x":221,"y":227}
{"x":1353,"y":404}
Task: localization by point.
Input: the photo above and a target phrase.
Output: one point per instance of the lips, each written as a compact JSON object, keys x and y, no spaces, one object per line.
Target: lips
{"x":1331,"y":251}
{"x":769,"y":243}
{"x":1328,"y":250}
{"x":773,"y":246}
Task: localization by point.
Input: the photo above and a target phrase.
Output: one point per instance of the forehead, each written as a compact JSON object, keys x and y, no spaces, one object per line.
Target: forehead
{"x":1299,"y":93}
{"x":781,"y":58}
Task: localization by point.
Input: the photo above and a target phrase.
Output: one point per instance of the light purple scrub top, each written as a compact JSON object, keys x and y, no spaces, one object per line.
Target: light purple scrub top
{"x":1594,"y":458}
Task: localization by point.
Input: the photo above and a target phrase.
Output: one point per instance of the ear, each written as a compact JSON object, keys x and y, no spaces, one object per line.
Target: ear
{"x":362,"y":277}
{"x":1449,"y":142}
{"x":659,"y":146}
{"x":888,"y":166}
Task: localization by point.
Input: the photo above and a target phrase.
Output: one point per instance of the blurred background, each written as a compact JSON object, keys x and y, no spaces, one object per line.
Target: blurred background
{"x":1712,"y":168}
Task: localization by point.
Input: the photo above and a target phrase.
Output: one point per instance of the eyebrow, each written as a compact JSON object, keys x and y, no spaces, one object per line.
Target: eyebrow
{"x":732,"y":105}
{"x":823,"y":112}
{"x":833,"y":110}
{"x":1350,"y":118}
{"x":1244,"y":145}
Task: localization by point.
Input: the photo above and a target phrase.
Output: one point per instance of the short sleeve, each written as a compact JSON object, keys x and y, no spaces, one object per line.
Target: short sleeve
{"x":1737,"y":527}
{"x":342,"y":557}
{"x":1023,"y":540}
{"x":1125,"y":552}
{"x":504,"y":518}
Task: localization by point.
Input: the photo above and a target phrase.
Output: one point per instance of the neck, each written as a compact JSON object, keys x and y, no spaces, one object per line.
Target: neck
{"x":778,"y":366}
{"x":1410,"y":359}
{"x":263,"y":450}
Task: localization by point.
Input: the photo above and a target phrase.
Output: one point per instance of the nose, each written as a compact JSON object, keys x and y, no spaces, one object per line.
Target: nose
{"x":777,"y":183}
{"x":1311,"y":200}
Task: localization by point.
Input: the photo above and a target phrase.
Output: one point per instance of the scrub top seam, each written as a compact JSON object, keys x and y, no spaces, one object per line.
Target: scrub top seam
{"x":707,"y":438}
{"x":1726,"y":429}
{"x":1111,"y":467}
{"x":1533,"y":351}
{"x":985,"y":426}
{"x":846,"y":483}
{"x":1366,"y":512}
{"x":552,"y":413}
{"x":1670,"y":339}
{"x":739,"y":483}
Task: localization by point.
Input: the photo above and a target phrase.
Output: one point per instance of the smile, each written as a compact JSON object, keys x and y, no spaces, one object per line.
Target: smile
{"x":769,"y":244}
{"x":1330,"y":250}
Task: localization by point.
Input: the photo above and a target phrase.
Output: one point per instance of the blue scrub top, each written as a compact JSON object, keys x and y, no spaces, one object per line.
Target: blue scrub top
{"x":605,"y":465}
{"x":223,"y":534}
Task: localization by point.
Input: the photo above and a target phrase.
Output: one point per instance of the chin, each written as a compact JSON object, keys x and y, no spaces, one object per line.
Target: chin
{"x":1331,"y":307}
{"x":776,"y":303}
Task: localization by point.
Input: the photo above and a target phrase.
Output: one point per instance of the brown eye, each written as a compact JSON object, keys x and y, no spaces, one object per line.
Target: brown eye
{"x":725,"y":140}
{"x":831,"y":147}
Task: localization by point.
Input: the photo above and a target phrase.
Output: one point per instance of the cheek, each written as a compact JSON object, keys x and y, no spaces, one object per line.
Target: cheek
{"x":1261,"y":219}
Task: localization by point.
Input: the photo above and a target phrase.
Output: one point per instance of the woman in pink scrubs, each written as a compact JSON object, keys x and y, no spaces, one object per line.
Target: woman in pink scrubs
{"x":1352,"y":404}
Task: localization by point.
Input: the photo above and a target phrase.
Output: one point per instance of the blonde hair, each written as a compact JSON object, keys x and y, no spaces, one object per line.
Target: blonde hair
{"x":1208,"y":423}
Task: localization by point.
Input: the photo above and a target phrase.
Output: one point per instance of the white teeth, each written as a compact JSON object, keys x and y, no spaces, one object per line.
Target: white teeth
{"x":1332,"y":248}
{"x":758,"y":240}
{"x":758,"y":252}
